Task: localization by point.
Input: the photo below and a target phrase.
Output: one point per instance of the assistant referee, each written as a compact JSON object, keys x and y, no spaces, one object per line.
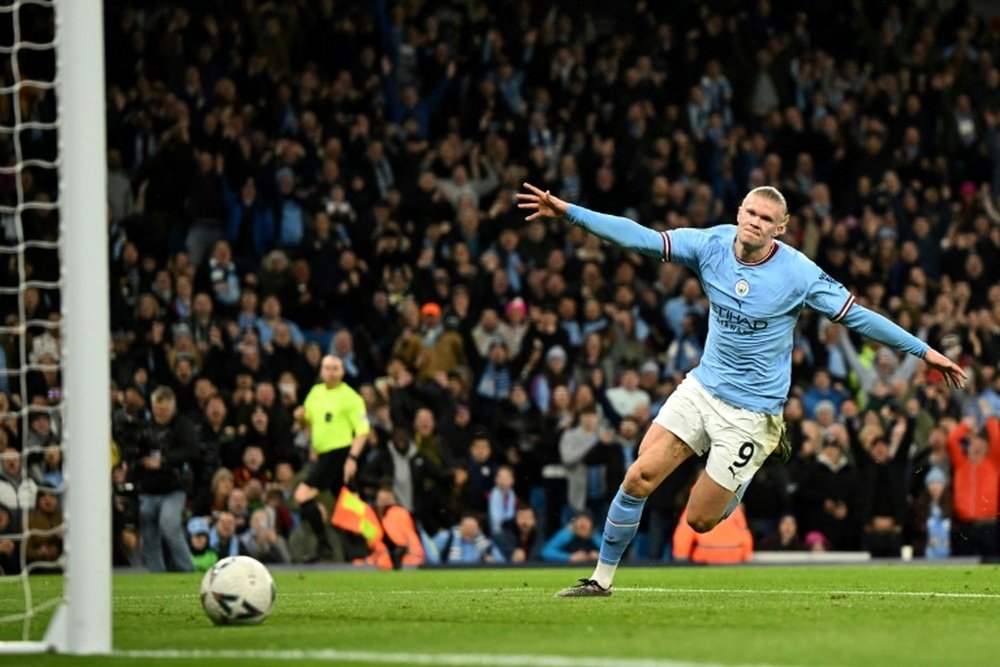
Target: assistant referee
{"x":337,"y":421}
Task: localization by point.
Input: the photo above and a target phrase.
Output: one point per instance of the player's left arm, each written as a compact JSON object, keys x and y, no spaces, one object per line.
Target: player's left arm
{"x":833,"y":300}
{"x":879,"y":328}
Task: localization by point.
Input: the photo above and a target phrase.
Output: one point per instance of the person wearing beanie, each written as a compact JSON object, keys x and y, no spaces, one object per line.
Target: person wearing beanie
{"x":203,"y":556}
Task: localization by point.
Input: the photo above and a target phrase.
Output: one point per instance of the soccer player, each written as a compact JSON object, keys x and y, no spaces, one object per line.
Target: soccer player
{"x":337,"y":420}
{"x":730,"y":405}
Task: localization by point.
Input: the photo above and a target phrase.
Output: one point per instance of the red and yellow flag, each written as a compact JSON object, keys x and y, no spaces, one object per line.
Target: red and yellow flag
{"x":354,"y":514}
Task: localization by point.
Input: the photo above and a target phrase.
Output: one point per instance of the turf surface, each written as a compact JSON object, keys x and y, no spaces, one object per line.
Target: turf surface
{"x":658,"y":617}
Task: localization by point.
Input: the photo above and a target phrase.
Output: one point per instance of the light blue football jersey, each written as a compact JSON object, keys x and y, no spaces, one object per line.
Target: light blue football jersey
{"x":753,"y":310}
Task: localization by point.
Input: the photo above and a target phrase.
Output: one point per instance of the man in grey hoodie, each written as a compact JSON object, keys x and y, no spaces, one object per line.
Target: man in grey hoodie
{"x":573,"y":447}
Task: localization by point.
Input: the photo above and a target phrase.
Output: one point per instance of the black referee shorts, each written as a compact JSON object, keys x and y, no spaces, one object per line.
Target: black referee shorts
{"x":327,"y":472}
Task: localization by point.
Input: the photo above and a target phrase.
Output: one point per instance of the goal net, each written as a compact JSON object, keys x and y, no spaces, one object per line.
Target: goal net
{"x":55,"y":586}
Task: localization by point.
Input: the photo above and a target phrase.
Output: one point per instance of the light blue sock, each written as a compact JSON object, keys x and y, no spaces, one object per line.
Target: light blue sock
{"x":620,"y":526}
{"x":737,"y":499}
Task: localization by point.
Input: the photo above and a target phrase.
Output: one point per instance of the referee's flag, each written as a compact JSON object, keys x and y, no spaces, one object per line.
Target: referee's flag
{"x":355,"y":515}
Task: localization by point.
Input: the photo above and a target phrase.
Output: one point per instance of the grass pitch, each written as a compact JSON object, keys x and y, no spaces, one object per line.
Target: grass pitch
{"x":657,"y":617}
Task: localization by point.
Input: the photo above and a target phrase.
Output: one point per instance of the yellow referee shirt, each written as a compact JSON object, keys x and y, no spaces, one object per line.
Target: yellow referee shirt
{"x":335,"y":416}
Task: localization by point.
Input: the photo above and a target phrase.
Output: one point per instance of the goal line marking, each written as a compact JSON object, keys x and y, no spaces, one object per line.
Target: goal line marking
{"x":624,"y":589}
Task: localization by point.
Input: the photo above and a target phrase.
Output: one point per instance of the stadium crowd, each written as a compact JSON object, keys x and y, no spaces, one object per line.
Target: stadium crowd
{"x":294,"y":179}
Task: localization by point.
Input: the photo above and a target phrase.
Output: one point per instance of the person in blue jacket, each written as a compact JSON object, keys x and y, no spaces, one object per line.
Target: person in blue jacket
{"x":575,"y":543}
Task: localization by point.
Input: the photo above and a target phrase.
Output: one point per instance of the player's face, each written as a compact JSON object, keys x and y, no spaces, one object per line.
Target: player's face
{"x":759,"y":221}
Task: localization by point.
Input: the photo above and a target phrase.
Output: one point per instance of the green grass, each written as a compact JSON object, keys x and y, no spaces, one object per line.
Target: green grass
{"x":871,"y":615}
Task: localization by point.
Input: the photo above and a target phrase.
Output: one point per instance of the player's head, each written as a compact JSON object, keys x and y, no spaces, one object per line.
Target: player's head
{"x":762,"y":217}
{"x":774,"y":195}
{"x":331,"y":370}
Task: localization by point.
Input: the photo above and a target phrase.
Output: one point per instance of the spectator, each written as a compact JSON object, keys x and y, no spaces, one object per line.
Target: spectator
{"x":466,"y":544}
{"x":729,"y":541}
{"x":502,"y":502}
{"x":828,"y":491}
{"x":573,"y":447}
{"x":220,"y":277}
{"x":785,"y":537}
{"x":418,"y":485}
{"x":933,"y":514}
{"x":626,"y":397}
{"x":481,"y":467}
{"x":251,"y":227}
{"x":10,"y":542}
{"x":223,"y":483}
{"x":45,"y":543}
{"x":574,"y":543}
{"x":521,"y":540}
{"x":162,"y":460}
{"x":882,"y":487}
{"x":976,"y":484}
{"x":223,"y":539}
{"x":262,"y":541}
{"x":203,"y":556}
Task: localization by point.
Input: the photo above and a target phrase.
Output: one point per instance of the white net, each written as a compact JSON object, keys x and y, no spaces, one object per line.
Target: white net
{"x":31,"y":350}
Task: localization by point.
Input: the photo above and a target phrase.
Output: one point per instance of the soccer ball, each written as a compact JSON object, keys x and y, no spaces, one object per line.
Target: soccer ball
{"x":238,"y":590}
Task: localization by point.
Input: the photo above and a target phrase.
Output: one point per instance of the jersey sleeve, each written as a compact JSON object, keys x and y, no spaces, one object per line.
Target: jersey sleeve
{"x":828,"y":296}
{"x":309,"y":407}
{"x":358,"y":416}
{"x":618,"y":230}
{"x":684,"y":246}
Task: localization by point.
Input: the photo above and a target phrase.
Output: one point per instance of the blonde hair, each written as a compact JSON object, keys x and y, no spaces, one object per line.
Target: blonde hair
{"x":772,"y":193}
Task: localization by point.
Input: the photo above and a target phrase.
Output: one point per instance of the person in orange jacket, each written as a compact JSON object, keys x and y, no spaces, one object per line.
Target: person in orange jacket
{"x":399,"y":543}
{"x":729,"y":542}
{"x":976,"y":486}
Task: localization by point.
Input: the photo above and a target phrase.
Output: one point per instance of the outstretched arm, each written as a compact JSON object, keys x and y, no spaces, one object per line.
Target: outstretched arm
{"x":614,"y":229}
{"x":875,"y":326}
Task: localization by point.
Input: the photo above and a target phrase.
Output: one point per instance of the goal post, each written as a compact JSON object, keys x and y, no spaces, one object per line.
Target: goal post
{"x":81,"y":623}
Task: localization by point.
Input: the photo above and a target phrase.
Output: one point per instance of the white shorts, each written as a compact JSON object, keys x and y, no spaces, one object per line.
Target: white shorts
{"x":737,"y":441}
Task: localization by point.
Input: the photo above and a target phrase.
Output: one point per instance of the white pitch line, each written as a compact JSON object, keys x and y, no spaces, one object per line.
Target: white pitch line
{"x":483,"y":659}
{"x":624,"y":589}
{"x":792,"y":591}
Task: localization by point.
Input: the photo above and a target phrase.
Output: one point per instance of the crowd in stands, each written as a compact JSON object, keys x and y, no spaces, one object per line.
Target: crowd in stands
{"x":294,"y":179}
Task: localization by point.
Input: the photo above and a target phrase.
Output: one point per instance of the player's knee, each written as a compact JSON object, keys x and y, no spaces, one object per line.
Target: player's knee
{"x":638,"y":483}
{"x":700,"y":524}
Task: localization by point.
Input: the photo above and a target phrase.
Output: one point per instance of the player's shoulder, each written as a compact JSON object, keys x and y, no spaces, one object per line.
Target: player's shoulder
{"x":724,"y":232}
{"x":790,"y":258}
{"x":712,"y":239}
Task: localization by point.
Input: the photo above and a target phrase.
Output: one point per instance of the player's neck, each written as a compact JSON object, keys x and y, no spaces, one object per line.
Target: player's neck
{"x":332,"y":385}
{"x":751,"y":255}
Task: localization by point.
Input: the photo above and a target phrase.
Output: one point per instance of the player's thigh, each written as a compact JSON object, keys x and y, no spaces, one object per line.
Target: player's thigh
{"x":660,"y":452}
{"x":707,"y":503}
{"x":741,"y":442}
{"x":683,"y":416}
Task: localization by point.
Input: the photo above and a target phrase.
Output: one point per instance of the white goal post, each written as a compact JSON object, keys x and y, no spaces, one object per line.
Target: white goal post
{"x":82,"y":621}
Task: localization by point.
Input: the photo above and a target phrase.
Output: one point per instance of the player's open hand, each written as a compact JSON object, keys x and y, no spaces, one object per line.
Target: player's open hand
{"x":540,"y":204}
{"x":953,"y":374}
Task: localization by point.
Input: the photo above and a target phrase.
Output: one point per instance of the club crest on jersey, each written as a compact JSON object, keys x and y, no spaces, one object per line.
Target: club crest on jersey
{"x":742,"y":288}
